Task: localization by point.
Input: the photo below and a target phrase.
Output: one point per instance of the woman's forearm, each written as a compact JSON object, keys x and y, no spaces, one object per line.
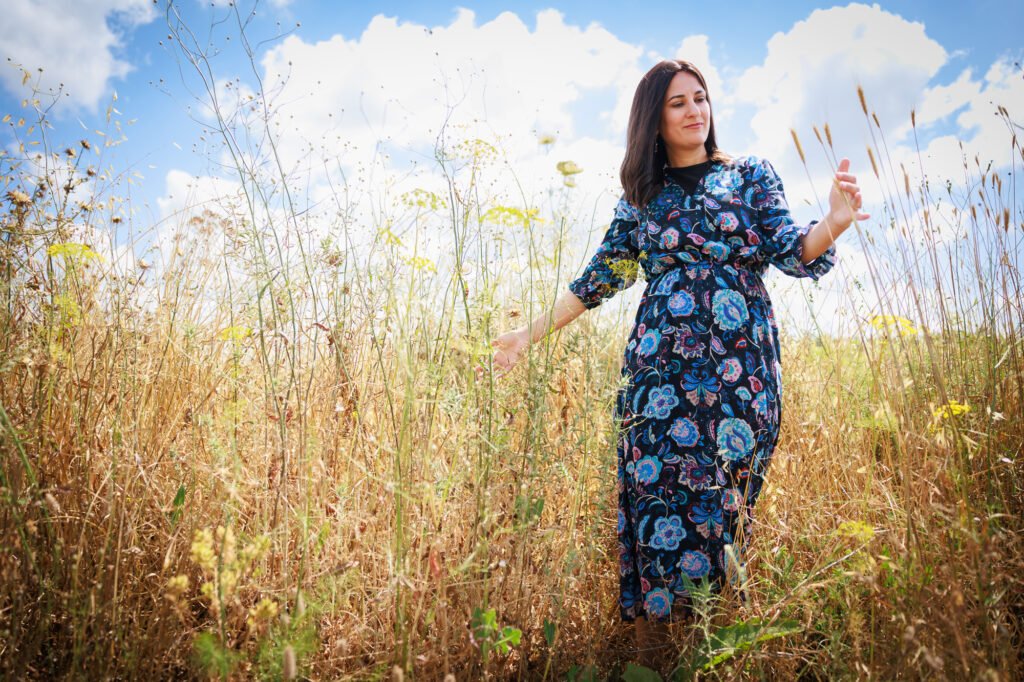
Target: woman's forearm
{"x":566,"y":309}
{"x":820,"y":237}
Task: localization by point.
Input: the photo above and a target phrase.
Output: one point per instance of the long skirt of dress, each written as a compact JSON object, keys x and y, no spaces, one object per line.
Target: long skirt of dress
{"x":698,"y":417}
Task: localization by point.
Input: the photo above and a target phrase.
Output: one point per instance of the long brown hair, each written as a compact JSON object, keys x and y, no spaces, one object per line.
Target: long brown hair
{"x":641,"y":172}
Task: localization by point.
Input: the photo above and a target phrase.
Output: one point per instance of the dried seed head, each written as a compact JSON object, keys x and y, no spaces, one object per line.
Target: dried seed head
{"x":54,"y":506}
{"x":799,"y":148}
{"x":874,"y":166}
{"x":863,"y":104}
{"x":19,"y":198}
{"x":828,"y":135}
{"x":289,"y":670}
{"x":177,"y":586}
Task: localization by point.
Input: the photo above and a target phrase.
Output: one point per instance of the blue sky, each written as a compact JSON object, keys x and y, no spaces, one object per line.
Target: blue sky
{"x":363,"y":88}
{"x":150,"y":87}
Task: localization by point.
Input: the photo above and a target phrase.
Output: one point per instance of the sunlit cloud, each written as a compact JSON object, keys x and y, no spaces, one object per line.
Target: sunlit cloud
{"x":75,"y":44}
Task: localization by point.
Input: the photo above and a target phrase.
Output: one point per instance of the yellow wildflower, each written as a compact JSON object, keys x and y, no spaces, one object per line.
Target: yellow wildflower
{"x":202,"y":552}
{"x":856,"y":530}
{"x":509,"y":216}
{"x":950,"y":410}
{"x":226,"y":544}
{"x":72,"y":251}
{"x":209,"y":590}
{"x":421,"y":263}
{"x":70,"y":311}
{"x":476,"y":150}
{"x":255,"y":550}
{"x":264,"y":611}
{"x":236,"y":333}
{"x":421,"y":198}
{"x":625,"y":269}
{"x":568,"y":168}
{"x":228,"y":581}
{"x":390,"y":237}
{"x":894,"y":323}
{"x":546,"y":139}
{"x":176,"y":587}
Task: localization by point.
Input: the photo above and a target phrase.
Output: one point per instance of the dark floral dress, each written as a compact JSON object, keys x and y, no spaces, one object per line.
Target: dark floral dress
{"x":698,"y":412}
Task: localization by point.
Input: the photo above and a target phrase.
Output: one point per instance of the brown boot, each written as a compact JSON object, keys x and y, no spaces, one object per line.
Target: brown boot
{"x":654,"y":646}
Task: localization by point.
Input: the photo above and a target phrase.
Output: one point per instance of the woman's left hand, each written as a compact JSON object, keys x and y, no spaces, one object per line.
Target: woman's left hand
{"x":845,"y":200}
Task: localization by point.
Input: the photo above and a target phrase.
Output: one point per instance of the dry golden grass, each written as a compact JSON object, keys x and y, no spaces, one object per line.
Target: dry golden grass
{"x":376,"y":501}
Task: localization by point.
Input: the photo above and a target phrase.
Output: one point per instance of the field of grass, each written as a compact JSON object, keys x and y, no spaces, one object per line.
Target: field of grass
{"x":253,"y":460}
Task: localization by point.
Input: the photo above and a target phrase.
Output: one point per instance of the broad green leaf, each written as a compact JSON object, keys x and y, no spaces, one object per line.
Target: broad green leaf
{"x":178,"y":504}
{"x":639,"y":673}
{"x":587,"y":673}
{"x":730,"y":640}
{"x":549,"y":632}
{"x":213,"y":658}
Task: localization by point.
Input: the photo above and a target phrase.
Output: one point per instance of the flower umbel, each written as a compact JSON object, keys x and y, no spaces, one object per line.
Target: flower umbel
{"x":893,"y":323}
{"x":568,"y":168}
{"x":950,"y":410}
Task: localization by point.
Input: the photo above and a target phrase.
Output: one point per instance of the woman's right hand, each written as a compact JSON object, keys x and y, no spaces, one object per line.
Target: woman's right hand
{"x":510,"y":347}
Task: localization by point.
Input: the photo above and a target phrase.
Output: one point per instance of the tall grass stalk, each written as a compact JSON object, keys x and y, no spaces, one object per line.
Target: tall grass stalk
{"x":299,"y":377}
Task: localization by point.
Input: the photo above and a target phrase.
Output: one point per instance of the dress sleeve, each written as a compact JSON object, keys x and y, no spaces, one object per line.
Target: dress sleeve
{"x":614,"y":266}
{"x":782,"y":237}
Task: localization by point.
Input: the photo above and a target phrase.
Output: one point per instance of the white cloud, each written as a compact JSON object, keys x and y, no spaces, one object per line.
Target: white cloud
{"x":359,"y":113}
{"x":809,"y":77}
{"x":189,"y":195}
{"x":977,"y":130}
{"x":349,"y":98}
{"x":355,"y":117}
{"x":73,"y":42}
{"x":938,"y":102}
{"x":811,"y":73}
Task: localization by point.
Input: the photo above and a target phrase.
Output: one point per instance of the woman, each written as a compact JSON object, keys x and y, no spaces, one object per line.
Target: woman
{"x":699,"y":414}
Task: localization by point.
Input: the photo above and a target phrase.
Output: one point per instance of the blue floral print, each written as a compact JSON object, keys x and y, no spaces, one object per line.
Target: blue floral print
{"x":658,"y":603}
{"x":661,"y":402}
{"x":647,"y":470}
{"x":687,"y":344}
{"x":700,"y":387}
{"x":684,"y":432}
{"x":681,"y":304}
{"x":668,"y":532}
{"x":649,"y":342}
{"x":730,"y":309}
{"x":695,"y":564}
{"x":735,"y":439}
{"x":723,"y":183}
{"x":698,"y":415}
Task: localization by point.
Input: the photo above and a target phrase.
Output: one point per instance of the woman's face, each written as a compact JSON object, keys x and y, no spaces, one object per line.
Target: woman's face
{"x":685,"y":118}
